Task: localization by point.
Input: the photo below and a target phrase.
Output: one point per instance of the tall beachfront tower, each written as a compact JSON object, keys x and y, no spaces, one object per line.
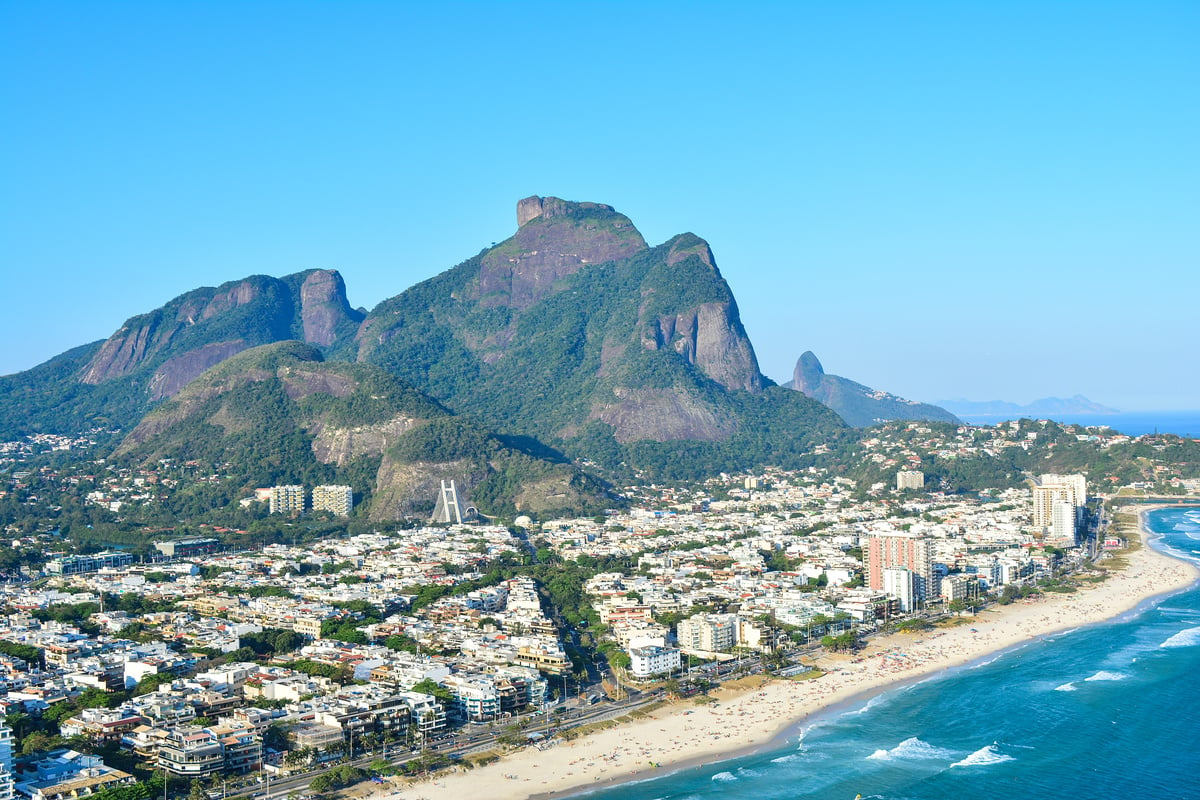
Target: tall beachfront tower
{"x":900,"y":550}
{"x":901,"y":583}
{"x":1053,"y":489}
{"x":1062,"y":524}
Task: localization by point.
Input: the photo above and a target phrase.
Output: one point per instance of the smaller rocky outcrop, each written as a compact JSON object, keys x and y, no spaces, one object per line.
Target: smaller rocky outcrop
{"x":860,"y":406}
{"x":325,"y":313}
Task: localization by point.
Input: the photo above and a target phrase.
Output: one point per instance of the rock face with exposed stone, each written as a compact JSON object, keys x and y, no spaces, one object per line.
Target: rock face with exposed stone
{"x":176,"y":343}
{"x":597,"y":324}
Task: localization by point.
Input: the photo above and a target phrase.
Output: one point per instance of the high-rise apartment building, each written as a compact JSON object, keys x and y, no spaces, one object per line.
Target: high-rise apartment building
{"x":713,"y":633}
{"x":287,"y":499}
{"x":899,"y":550}
{"x":6,"y":762}
{"x":337,"y":500}
{"x":901,"y":583}
{"x":1075,"y":484}
{"x":910,"y":479}
{"x":1052,"y":489}
{"x":1063,"y":524}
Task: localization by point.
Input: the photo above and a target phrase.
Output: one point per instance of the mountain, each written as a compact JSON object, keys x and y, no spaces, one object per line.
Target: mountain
{"x":278,"y":414}
{"x":154,"y":355}
{"x":1045,"y":407}
{"x":575,"y":327}
{"x":860,"y":406}
{"x":573,"y":332}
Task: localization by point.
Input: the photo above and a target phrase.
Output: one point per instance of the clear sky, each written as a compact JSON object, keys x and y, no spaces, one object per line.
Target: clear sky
{"x":962,"y":199}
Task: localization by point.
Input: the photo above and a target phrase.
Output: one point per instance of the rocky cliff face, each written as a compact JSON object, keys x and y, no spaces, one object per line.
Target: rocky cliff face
{"x":177,"y":372}
{"x":325,"y":313}
{"x":143,"y":338}
{"x":663,"y":415}
{"x":556,"y":238}
{"x":710,"y":336}
{"x":202,"y":328}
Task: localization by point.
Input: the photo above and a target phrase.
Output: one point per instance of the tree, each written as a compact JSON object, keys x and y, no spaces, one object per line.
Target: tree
{"x":436,"y":690}
{"x":38,"y":742}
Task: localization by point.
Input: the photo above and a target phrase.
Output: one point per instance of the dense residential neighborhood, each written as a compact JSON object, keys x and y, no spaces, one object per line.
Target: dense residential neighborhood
{"x":199,"y":659}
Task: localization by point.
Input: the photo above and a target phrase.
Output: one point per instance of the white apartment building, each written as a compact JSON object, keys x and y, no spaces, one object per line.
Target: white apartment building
{"x":910,"y":479}
{"x":901,"y":583}
{"x":653,"y":660}
{"x":6,"y":762}
{"x":711,"y":633}
{"x":1051,"y":489}
{"x":1063,"y":517}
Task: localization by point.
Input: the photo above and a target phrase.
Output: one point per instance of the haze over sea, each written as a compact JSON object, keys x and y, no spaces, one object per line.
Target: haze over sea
{"x":1105,"y":711}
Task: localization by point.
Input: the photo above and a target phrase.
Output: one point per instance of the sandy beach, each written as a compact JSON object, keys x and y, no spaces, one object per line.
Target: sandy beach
{"x":684,"y":733}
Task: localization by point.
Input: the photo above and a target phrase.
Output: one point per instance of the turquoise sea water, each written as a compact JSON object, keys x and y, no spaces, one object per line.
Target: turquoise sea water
{"x":1107,"y":711}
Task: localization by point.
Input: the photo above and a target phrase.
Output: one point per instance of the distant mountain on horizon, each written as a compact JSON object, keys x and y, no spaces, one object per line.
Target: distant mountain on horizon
{"x":1046,"y":406}
{"x":860,"y":406}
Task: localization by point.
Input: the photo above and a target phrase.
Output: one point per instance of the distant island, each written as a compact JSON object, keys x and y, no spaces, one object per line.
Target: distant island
{"x":1045,"y":407}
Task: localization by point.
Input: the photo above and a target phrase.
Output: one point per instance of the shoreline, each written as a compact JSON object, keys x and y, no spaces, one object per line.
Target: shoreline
{"x":765,"y":712}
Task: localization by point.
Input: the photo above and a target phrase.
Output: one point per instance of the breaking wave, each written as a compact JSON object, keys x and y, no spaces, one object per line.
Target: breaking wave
{"x":983,"y":757}
{"x":911,"y":749}
{"x":1185,"y":638}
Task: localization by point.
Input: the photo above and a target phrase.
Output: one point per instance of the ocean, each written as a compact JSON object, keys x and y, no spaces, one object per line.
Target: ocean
{"x":1107,"y":711}
{"x":1131,"y":423}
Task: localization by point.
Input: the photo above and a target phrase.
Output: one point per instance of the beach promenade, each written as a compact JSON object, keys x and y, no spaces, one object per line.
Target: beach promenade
{"x":762,"y":710}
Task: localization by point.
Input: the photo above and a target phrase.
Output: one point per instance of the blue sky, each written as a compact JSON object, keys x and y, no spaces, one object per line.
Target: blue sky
{"x":981,"y":200}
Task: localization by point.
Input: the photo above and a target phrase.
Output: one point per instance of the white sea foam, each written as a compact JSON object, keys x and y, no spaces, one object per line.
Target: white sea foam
{"x":1061,"y":634}
{"x":787,"y":758}
{"x":724,"y":777}
{"x":1066,"y":687}
{"x":1185,"y":638}
{"x":985,"y":662}
{"x":1105,"y":675}
{"x":745,"y":772}
{"x":874,"y":701}
{"x":983,"y":757}
{"x":911,"y":749}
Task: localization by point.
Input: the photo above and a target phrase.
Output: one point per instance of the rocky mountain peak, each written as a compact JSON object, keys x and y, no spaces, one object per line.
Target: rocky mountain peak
{"x":556,"y":238}
{"x":533,"y":207}
{"x":807,"y":375}
{"x":324,"y":307}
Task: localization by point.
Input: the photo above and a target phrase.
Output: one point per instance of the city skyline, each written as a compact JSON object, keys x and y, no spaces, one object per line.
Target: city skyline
{"x":925,"y":196}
